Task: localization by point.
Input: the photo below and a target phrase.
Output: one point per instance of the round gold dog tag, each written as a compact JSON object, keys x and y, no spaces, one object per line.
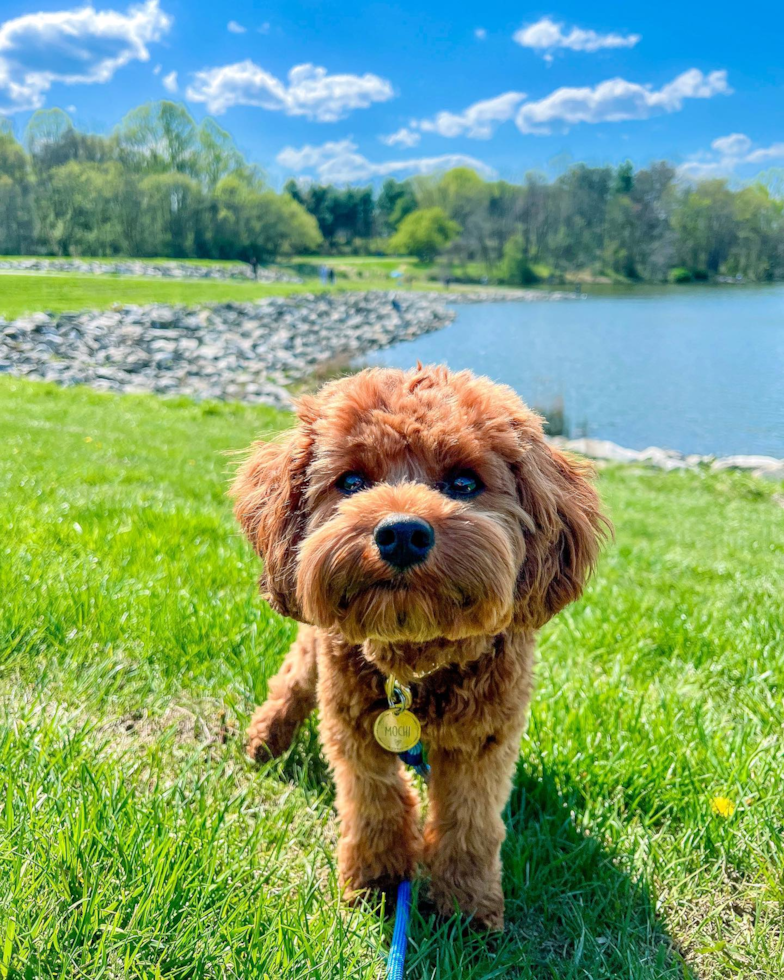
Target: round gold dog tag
{"x":397,"y":732}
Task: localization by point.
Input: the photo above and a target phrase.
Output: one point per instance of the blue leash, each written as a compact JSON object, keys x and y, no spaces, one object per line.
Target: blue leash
{"x":397,"y":950}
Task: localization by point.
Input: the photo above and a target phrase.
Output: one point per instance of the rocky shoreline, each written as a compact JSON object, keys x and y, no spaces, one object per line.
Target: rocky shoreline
{"x":245,"y":351}
{"x":602,"y":450}
{"x":254,"y":352}
{"x":146,"y":267}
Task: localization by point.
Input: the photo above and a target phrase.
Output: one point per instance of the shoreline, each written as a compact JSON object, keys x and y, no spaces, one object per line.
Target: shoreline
{"x":247,"y":351}
{"x":604,"y":451}
{"x":258,"y":352}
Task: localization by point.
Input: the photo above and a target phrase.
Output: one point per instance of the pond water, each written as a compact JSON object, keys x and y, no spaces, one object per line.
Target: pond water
{"x":699,"y":369}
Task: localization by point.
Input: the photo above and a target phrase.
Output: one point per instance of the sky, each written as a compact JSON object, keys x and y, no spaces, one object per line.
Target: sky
{"x":342,"y":93}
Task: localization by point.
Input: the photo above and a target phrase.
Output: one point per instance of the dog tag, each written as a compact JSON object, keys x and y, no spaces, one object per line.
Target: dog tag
{"x":397,"y":732}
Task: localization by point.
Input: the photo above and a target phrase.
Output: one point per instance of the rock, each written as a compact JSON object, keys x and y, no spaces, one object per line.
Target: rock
{"x":767,"y":467}
{"x":760,"y":463}
{"x":248,"y":351}
{"x":132,"y":267}
{"x":598,"y":449}
{"x":773,"y":473}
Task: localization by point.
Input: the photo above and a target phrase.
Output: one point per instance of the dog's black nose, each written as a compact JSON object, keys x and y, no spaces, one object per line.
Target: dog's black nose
{"x":403,"y":540}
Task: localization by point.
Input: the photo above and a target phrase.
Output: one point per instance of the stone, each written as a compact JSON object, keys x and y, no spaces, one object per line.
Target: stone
{"x":746,"y":463}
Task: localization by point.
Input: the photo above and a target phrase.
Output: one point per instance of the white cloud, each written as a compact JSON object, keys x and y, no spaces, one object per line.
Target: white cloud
{"x":81,"y":46}
{"x":545,"y":36}
{"x":157,"y":69}
{"x":170,"y":82}
{"x":734,"y":145}
{"x":480,"y":34}
{"x":478,"y":121}
{"x":309,"y":157}
{"x":403,"y":137}
{"x":699,"y":169}
{"x":236,"y":28}
{"x":338,"y":162}
{"x":617,"y":100}
{"x":311,"y":91}
{"x":730,"y":152}
{"x":773,"y":152}
{"x":265,"y":28}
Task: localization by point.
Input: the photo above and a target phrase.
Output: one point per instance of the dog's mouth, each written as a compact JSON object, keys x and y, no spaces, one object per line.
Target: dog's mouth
{"x":404,"y":609}
{"x":396,"y":585}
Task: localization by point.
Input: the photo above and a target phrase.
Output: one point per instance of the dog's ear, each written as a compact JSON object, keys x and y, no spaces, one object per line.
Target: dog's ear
{"x":563,"y":530}
{"x":269,"y":493}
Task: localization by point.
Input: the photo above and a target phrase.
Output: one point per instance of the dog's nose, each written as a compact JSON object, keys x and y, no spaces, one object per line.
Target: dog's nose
{"x":403,"y":540}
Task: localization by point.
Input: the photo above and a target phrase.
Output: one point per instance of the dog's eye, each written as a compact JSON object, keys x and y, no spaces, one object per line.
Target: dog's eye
{"x":463,"y":484}
{"x":352,"y":483}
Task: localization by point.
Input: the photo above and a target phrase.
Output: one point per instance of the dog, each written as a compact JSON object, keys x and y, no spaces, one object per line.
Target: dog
{"x":421,"y":528}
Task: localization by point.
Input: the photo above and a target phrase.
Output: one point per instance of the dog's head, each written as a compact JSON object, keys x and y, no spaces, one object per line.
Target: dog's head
{"x":409,"y":507}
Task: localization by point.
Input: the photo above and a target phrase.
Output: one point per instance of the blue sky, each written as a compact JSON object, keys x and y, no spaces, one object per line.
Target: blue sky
{"x":336,"y":92}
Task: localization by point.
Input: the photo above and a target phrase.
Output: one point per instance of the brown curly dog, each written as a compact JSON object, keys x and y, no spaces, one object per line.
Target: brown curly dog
{"x":423,"y":528}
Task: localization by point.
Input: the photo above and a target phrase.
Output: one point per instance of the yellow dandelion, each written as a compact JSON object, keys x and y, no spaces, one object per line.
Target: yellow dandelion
{"x":722,"y":806}
{"x":88,"y":438}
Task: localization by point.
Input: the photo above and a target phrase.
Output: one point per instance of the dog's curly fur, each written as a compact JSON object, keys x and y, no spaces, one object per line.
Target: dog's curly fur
{"x":459,"y":627}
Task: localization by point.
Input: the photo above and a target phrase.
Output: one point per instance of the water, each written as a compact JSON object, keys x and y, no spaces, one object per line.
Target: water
{"x":699,"y":369}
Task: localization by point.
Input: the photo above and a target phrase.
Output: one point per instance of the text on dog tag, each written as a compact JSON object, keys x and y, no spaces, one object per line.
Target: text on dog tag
{"x":397,"y":732}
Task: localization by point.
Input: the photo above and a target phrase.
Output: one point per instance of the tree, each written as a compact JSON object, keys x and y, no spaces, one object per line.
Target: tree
{"x":256,"y":226}
{"x":395,"y":201}
{"x":159,"y":137}
{"x":516,"y":269}
{"x":424,"y":233}
{"x":172,"y":208}
{"x":76,"y":209}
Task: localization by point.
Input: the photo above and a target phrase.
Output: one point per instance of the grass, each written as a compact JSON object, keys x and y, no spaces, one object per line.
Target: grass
{"x":136,"y":841}
{"x":22,"y":293}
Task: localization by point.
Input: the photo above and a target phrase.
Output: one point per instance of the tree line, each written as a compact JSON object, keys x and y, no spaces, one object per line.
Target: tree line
{"x":163,"y":185}
{"x":159,"y":185}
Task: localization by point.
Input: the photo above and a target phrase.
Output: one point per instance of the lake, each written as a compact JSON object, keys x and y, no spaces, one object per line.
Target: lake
{"x":699,"y":369}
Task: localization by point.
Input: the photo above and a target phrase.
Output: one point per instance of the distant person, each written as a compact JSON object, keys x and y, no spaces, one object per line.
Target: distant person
{"x":254,"y":264}
{"x":331,"y":276}
{"x":323,"y":274}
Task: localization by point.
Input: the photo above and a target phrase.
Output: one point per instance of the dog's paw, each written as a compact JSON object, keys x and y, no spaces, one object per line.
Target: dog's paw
{"x":365,"y":874}
{"x":270,"y":733}
{"x":483,"y":903}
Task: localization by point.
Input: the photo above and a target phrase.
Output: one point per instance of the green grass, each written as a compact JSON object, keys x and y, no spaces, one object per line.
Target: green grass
{"x":56,"y":292}
{"x":137,"y":841}
{"x":21,"y":294}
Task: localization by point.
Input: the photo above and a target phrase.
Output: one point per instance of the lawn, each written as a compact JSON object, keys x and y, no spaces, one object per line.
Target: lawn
{"x":137,"y":841}
{"x":56,"y":292}
{"x":21,"y":293}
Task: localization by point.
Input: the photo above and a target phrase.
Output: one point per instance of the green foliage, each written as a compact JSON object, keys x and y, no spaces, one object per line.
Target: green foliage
{"x":516,"y":269}
{"x":424,"y":233}
{"x":343,"y":214}
{"x":137,"y":842}
{"x":149,"y":189}
{"x":164,"y":192}
{"x":257,"y":225}
{"x":679,"y":274}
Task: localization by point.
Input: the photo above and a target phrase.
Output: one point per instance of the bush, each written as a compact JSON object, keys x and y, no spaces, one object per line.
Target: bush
{"x":424,"y":233}
{"x":679,"y":274}
{"x":515,"y":268}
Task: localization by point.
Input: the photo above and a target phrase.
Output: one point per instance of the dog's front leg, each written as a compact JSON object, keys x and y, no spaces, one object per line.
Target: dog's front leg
{"x":380,"y":840}
{"x":464,"y":830}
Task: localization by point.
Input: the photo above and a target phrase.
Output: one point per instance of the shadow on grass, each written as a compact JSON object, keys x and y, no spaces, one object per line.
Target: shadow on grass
{"x":572,"y":911}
